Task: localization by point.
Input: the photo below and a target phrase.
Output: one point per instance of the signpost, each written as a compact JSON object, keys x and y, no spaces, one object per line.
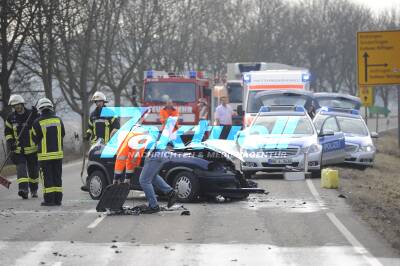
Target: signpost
{"x":366,"y":96}
{"x":378,"y":61}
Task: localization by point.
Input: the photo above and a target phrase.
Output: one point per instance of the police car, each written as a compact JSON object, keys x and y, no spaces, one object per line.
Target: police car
{"x":337,"y":100}
{"x":280,"y":136}
{"x":360,"y":149}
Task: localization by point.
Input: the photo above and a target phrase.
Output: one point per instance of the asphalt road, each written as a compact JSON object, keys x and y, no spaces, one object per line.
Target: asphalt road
{"x":297,"y":223}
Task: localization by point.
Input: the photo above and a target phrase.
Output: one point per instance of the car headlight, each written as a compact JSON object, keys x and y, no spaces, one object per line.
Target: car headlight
{"x":367,"y":148}
{"x":312,"y":149}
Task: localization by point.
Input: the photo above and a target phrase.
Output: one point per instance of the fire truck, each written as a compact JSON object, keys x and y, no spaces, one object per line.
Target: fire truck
{"x":184,"y":89}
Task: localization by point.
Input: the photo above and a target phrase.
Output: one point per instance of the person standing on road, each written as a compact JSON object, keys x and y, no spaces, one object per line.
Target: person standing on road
{"x":223,"y":117}
{"x":19,"y":141}
{"x":100,"y":127}
{"x":129,"y":156}
{"x":48,"y":133}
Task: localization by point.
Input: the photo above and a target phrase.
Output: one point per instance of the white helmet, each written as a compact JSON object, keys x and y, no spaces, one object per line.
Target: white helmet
{"x":45,"y":103}
{"x":16,"y":99}
{"x":99,"y":96}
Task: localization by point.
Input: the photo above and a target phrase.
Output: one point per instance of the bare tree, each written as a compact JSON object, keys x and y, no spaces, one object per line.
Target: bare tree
{"x":16,"y":17}
{"x":39,"y":55}
{"x":76,"y":67}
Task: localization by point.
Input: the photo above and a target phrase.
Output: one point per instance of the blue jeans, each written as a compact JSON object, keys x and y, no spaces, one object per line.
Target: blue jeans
{"x":149,"y":177}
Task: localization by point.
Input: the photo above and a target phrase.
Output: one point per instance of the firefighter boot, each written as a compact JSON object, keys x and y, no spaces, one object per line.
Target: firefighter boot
{"x":23,"y":194}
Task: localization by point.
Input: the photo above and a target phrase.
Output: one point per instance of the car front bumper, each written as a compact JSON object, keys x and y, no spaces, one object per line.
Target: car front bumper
{"x":297,"y":161}
{"x":360,"y":158}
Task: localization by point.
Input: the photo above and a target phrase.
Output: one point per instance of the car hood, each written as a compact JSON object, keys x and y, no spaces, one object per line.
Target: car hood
{"x":228,"y":148}
{"x":358,"y":140}
{"x":278,"y":141}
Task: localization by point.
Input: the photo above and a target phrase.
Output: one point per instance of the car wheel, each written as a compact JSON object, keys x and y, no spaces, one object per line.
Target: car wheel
{"x":316,"y":174}
{"x":96,"y":184}
{"x":187,"y":185}
{"x":248,"y":175}
{"x":362,"y":167}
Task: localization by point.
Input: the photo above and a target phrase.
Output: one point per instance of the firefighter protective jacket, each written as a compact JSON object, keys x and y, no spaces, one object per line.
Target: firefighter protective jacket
{"x":48,"y":132}
{"x":13,"y":126}
{"x":128,"y":158}
{"x":167,"y":112}
{"x":101,"y":127}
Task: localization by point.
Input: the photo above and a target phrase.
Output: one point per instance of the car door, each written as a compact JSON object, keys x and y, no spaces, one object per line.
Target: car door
{"x":332,"y":141}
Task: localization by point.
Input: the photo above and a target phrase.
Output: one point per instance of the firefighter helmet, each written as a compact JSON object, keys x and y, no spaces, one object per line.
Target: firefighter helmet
{"x":99,"y":96}
{"x":16,"y":99}
{"x":45,"y":103}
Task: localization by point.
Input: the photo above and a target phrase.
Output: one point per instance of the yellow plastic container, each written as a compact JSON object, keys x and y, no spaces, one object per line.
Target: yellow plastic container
{"x":329,"y":178}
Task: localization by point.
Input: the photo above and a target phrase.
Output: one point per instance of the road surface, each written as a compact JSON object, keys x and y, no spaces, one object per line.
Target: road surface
{"x":297,"y":223}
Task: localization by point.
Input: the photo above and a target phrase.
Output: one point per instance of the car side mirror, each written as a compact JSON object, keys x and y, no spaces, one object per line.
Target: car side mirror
{"x":374,"y":135}
{"x":240,"y":110}
{"x":326,"y":133}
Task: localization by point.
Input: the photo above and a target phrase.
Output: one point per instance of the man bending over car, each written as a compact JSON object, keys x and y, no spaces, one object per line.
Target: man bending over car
{"x":129,"y":156}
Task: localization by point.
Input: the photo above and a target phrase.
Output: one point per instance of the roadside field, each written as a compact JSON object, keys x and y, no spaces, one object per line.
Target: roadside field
{"x":375,"y":192}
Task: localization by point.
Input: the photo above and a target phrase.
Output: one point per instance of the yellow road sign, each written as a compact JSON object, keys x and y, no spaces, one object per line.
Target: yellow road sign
{"x":366,"y":95}
{"x":378,"y":57}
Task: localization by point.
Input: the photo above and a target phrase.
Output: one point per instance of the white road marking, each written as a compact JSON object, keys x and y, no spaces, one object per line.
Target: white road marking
{"x":97,"y":221}
{"x":52,"y":212}
{"x":35,"y":254}
{"x":83,"y":253}
{"x":357,"y":246}
{"x":315,"y":193}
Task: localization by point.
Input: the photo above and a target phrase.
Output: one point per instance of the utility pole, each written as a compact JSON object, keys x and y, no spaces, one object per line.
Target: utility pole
{"x":398,"y":114}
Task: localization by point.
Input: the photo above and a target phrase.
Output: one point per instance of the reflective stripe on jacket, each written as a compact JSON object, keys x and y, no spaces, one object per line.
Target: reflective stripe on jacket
{"x":48,"y":133}
{"x":101,"y":127}
{"x":127,"y":158}
{"x":13,"y":127}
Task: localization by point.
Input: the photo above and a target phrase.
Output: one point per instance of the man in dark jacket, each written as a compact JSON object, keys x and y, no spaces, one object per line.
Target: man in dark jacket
{"x":19,"y":141}
{"x":101,"y":127}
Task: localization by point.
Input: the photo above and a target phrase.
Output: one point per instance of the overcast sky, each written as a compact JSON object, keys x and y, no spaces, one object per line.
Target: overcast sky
{"x":380,"y":5}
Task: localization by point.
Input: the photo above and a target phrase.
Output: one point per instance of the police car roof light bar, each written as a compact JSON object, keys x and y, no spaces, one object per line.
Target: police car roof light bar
{"x":340,"y":110}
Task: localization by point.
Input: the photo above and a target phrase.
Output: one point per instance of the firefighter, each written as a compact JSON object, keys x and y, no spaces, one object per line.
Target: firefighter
{"x":167,"y":111}
{"x":19,"y":141}
{"x":129,"y":156}
{"x":101,"y":127}
{"x":48,"y":133}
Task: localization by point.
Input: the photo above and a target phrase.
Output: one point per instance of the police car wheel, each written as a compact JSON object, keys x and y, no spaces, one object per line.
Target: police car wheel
{"x":96,"y":184}
{"x":187,"y":185}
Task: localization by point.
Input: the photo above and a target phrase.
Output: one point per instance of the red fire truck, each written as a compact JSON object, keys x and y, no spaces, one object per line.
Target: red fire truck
{"x":183,"y":89}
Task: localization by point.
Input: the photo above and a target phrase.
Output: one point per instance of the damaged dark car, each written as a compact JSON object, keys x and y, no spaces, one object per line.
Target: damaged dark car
{"x":199,"y":171}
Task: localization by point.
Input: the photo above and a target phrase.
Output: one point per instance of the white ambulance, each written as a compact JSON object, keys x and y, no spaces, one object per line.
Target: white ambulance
{"x":255,"y":82}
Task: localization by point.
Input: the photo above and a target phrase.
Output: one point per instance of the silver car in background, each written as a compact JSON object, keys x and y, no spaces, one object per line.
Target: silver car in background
{"x":360,"y":149}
